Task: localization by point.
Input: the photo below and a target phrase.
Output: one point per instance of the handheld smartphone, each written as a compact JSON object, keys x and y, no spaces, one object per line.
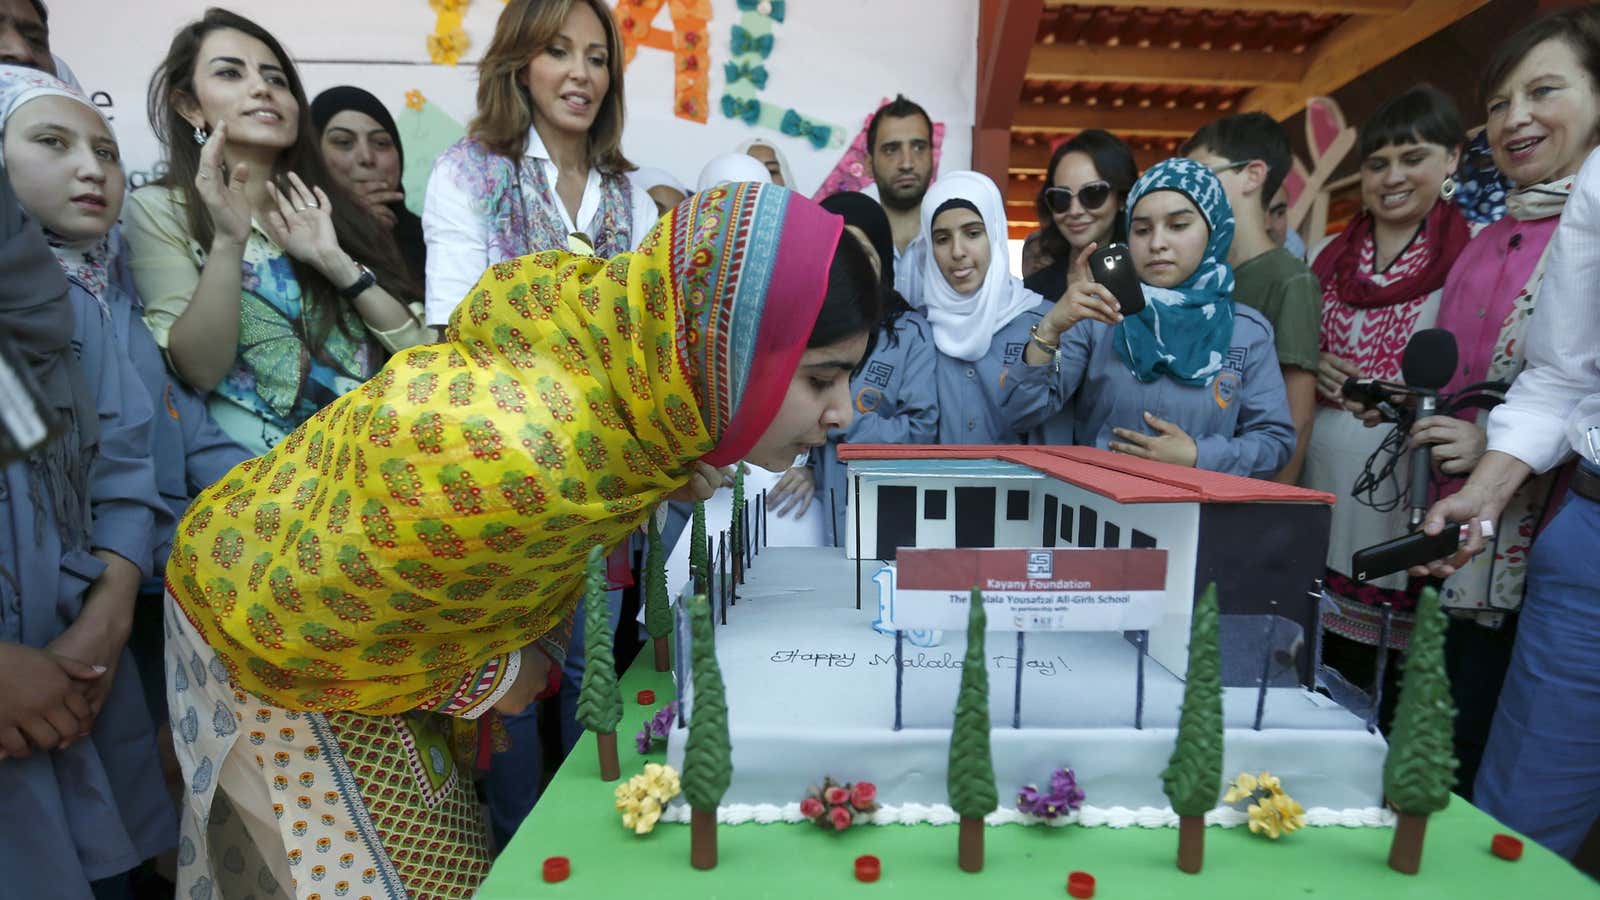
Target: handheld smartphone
{"x":1112,"y":266}
{"x":1371,"y":394}
{"x":1414,"y":549}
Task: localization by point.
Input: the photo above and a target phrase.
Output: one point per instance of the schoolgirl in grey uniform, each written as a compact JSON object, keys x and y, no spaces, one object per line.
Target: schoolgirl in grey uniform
{"x":895,"y":398}
{"x":1192,"y":379}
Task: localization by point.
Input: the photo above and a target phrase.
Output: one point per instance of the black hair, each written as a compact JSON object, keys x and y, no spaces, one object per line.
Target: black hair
{"x":44,"y":14}
{"x":1244,"y":137}
{"x":1579,"y":26}
{"x":1422,"y":115}
{"x":864,"y":213}
{"x":1113,"y":160}
{"x":898,"y":108}
{"x":853,"y":302}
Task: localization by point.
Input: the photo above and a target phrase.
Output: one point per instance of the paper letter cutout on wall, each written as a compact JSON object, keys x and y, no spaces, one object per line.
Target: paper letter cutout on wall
{"x":686,"y":41}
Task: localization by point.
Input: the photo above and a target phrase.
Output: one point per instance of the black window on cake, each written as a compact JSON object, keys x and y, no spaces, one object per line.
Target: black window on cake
{"x":897,"y":519}
{"x":1113,"y":536}
{"x":1050,"y":507}
{"x":1088,"y":526}
{"x":933,"y":504}
{"x":1066,"y":523}
{"x":1142,"y":541}
{"x":975,"y":516}
{"x":1017,"y":503}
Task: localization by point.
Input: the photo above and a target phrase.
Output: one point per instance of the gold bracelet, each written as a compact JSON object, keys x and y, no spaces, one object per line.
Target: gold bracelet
{"x":1033,"y":335}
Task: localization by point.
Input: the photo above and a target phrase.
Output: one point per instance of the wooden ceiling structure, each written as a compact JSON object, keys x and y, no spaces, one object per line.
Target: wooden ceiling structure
{"x":1154,"y":71}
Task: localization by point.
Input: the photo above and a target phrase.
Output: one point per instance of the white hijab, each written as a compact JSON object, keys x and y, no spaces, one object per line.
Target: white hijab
{"x":964,"y":324}
{"x":732,"y":168}
{"x":783,"y":161}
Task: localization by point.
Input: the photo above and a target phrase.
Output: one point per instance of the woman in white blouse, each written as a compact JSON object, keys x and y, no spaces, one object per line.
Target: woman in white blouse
{"x":543,"y":156}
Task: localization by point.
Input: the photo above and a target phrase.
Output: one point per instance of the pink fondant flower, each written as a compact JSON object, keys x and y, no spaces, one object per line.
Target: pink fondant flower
{"x":840,"y":817}
{"x":863,"y":794}
{"x":811,"y":808}
{"x":836,"y":796}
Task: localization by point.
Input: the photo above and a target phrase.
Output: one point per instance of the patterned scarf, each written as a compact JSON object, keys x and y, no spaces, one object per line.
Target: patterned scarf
{"x":1184,"y":332}
{"x":517,"y":226}
{"x":440,"y":515}
{"x":1338,"y":267}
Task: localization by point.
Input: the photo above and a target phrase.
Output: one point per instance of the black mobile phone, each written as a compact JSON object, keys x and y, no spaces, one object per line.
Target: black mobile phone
{"x":1415,"y":549}
{"x":1112,"y":266}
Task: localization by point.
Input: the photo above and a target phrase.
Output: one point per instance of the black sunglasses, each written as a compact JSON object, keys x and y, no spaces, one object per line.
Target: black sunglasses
{"x":1092,"y":196}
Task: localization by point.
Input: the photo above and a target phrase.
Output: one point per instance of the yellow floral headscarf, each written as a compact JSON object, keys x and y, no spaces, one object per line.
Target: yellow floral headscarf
{"x":439,"y":515}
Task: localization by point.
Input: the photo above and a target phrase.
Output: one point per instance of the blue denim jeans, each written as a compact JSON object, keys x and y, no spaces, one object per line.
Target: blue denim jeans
{"x":1541,"y":769}
{"x":516,"y":776}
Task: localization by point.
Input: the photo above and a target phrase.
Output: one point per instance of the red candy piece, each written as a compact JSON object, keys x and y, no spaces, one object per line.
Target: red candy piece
{"x":646,"y":698}
{"x":868,"y":868}
{"x":557,"y":868}
{"x":1080,"y":884}
{"x":1506,"y":847}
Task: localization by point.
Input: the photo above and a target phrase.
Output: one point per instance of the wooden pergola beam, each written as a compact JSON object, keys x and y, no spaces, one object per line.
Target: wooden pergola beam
{"x":1356,"y":47}
{"x":1031,"y":159}
{"x":1153,"y":65}
{"x":1347,"y":7}
{"x":1057,"y":118}
{"x":1006,"y":29}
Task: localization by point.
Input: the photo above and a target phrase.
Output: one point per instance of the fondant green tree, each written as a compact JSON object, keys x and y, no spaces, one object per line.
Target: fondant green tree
{"x":657,"y":608}
{"x":699,"y":551}
{"x":599,"y":699}
{"x":971,"y":773}
{"x":707,"y":755}
{"x":1420,"y":769}
{"x":1193,"y":777}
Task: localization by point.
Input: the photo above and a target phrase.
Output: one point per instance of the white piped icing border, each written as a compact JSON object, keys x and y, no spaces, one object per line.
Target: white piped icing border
{"x":1088,"y":816}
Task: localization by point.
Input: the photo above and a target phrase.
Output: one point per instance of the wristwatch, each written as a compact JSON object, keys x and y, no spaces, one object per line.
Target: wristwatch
{"x":366,"y":280}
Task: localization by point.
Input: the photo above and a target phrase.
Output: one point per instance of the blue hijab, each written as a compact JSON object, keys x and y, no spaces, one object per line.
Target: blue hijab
{"x":1184,"y":332}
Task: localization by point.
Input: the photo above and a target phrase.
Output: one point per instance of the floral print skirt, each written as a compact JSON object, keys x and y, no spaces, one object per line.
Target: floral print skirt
{"x":313,"y":806}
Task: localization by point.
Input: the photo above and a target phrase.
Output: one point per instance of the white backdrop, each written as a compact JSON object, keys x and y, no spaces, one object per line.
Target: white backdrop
{"x":833,"y":60}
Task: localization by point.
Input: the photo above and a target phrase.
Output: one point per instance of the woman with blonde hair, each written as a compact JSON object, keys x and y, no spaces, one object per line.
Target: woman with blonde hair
{"x":542,"y":159}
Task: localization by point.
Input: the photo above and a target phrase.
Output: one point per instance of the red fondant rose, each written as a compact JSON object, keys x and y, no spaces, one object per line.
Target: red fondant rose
{"x":836,"y":796}
{"x":863,"y":794}
{"x":840,"y":816}
{"x":811,"y":807}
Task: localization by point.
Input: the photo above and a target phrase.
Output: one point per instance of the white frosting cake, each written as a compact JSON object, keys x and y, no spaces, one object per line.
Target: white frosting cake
{"x":811,"y":693}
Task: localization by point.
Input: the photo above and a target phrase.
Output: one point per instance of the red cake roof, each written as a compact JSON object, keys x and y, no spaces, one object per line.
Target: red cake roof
{"x":1123,"y":478}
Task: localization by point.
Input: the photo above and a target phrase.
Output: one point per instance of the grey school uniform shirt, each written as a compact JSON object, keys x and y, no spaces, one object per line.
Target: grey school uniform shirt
{"x":971,"y":392}
{"x":1240,"y":422}
{"x":895,"y":401}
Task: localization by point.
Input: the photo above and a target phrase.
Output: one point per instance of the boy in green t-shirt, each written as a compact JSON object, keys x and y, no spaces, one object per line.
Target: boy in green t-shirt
{"x":1250,"y":155}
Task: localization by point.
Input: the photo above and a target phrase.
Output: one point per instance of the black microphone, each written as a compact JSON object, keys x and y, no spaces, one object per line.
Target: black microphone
{"x":1428,"y":364}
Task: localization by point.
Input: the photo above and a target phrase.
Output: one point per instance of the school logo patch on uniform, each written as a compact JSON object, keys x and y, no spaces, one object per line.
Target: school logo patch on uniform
{"x":1226,"y":385}
{"x":878,"y":372}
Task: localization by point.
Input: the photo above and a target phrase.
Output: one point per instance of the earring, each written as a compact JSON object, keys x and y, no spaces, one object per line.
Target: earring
{"x":200,"y":135}
{"x":1448,"y":188}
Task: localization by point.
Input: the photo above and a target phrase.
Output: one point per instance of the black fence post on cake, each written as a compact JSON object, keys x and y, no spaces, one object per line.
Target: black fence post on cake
{"x":722,"y":574}
{"x":763,"y":543}
{"x":833,"y":513}
{"x":899,"y":675}
{"x":1138,"y":685}
{"x":680,"y":663}
{"x":858,"y":540}
{"x":1016,"y":701}
{"x":1266,"y":663}
{"x":1382,"y":667}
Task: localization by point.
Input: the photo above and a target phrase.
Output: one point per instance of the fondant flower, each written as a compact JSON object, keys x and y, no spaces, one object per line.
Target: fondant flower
{"x":862,"y":794}
{"x":1291,"y":815}
{"x":645,"y":795}
{"x":656,"y":728}
{"x":1063,"y":797}
{"x":811,"y":808}
{"x":1264,"y":820}
{"x":841,"y":817}
{"x":1267,"y":781}
{"x":836,"y":795}
{"x":1241,"y":788}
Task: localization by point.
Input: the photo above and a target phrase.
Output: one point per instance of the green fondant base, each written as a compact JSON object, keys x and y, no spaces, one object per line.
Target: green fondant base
{"x":576,"y":819}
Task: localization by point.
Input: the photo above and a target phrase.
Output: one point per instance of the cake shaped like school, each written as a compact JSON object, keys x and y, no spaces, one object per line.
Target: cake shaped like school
{"x":848,"y":662}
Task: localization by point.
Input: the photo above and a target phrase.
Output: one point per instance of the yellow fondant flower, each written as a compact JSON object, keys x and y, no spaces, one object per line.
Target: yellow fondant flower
{"x":1267,"y":781}
{"x":1264,"y":819}
{"x":1241,"y":789}
{"x":1291,"y":815}
{"x":643,"y":798}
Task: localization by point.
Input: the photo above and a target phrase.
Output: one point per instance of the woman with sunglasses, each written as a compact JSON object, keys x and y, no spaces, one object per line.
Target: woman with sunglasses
{"x":1081,"y":204}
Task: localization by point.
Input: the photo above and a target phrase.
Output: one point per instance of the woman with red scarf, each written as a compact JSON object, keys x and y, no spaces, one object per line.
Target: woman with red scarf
{"x":1381,"y":283}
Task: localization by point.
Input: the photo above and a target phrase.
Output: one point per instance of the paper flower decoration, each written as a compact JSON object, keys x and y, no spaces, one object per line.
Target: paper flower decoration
{"x":1063,"y":797}
{"x":645,"y":795}
{"x":414,"y":99}
{"x":1274,"y":813}
{"x":446,"y":48}
{"x":835,"y":806}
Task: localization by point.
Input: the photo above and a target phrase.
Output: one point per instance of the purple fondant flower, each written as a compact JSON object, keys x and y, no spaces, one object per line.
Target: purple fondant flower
{"x":658,"y":726}
{"x":1063,"y":797}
